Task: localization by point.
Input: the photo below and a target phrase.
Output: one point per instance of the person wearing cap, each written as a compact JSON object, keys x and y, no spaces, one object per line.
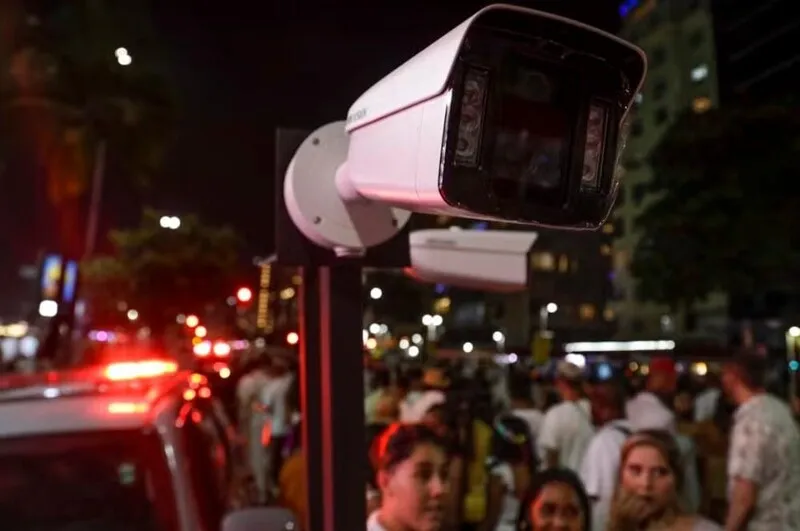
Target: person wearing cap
{"x":651,"y":410}
{"x":567,"y":426}
{"x":434,"y":383}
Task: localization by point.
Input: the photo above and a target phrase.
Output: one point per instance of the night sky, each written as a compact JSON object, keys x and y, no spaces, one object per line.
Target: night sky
{"x":244,"y":68}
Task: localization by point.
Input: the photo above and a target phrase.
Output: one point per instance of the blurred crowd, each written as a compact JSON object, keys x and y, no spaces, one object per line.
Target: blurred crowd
{"x":487,"y":447}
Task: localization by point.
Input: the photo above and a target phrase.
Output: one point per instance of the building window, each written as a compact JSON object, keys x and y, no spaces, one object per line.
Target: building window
{"x":563,"y":263}
{"x":605,"y":249}
{"x":543,"y":262}
{"x":608,"y":314}
{"x":637,"y":129}
{"x":661,"y":116}
{"x":699,"y":73}
{"x":441,"y":305}
{"x":608,"y":228}
{"x":587,"y":312}
{"x":701,"y":104}
{"x":638,"y":98}
{"x":621,"y":260}
{"x":639,"y":192}
{"x":620,"y":196}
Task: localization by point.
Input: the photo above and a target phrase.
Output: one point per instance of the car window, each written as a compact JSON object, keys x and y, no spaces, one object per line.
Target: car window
{"x":103,"y":481}
{"x":207,"y":461}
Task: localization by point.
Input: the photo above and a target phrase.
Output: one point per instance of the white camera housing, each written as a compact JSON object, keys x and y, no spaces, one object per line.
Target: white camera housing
{"x":515,"y":115}
{"x":402,"y":129}
{"x":492,"y":260}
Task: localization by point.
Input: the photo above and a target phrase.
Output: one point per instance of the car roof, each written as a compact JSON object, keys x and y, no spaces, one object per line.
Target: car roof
{"x":84,"y":400}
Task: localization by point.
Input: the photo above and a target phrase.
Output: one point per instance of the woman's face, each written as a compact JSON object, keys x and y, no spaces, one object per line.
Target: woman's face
{"x":414,"y":491}
{"x":647,"y":476}
{"x":557,"y":508}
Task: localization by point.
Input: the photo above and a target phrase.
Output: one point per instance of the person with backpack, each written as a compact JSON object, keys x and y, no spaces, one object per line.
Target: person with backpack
{"x":600,"y":467}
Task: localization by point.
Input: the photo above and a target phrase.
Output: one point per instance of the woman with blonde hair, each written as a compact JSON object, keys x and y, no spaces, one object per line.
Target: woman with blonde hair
{"x":648,"y":494}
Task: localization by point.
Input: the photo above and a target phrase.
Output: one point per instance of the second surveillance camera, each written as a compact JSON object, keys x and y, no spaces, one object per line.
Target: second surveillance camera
{"x":514,"y":115}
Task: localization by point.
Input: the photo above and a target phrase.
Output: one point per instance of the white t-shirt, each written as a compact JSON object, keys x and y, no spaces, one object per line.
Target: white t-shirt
{"x":510,"y":510}
{"x":705,"y":405}
{"x":600,"y":468}
{"x":567,"y":428}
{"x":273,"y":397}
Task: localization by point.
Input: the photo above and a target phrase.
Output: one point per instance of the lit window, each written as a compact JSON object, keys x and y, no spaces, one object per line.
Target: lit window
{"x":587,"y":312}
{"x":620,"y":260}
{"x":701,"y":104}
{"x":608,"y":228}
{"x":442,"y":305}
{"x":543,"y":262}
{"x":638,"y":98}
{"x":699,"y":73}
{"x":605,"y":250}
{"x":608,"y":314}
{"x":563,"y":263}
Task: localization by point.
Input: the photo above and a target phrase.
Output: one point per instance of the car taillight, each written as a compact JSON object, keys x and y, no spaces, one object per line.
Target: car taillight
{"x":201,"y":350}
{"x":222,"y":349}
{"x":140,"y":369}
{"x":127,"y":408}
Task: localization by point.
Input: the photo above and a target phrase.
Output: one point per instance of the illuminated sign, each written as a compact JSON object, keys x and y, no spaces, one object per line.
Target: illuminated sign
{"x":70,"y":281}
{"x":627,"y":6}
{"x":51,"y":277}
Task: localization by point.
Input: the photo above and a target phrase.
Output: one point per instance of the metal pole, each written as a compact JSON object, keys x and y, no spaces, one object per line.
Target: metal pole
{"x":544,"y":315}
{"x":98,"y":176}
{"x":333,"y":408}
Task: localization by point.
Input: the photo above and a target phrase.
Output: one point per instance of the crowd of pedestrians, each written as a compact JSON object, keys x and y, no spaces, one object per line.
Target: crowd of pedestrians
{"x":450,"y":449}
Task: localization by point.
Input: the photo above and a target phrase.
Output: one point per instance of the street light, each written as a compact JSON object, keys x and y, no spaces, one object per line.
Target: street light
{"x":244,"y":295}
{"x":468,"y":347}
{"x":375,"y":293}
{"x":544,"y":315}
{"x":432,"y":322}
{"x":123,"y":57}
{"x":170,"y":222}
{"x":499,"y":339}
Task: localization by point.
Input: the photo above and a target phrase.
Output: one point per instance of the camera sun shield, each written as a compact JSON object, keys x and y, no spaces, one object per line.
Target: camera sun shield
{"x":534,"y":130}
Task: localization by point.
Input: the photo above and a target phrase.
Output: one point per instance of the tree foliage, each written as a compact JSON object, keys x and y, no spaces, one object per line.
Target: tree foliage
{"x":161,"y":272}
{"x":724,"y":215}
{"x":62,"y":91}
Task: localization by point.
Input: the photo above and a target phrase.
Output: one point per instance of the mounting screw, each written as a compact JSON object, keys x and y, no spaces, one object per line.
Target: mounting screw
{"x":315,"y":141}
{"x":317,"y":220}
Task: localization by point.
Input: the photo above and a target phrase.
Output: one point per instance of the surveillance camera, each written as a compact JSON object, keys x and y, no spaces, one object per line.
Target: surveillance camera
{"x":514,"y":115}
{"x":493,"y":260}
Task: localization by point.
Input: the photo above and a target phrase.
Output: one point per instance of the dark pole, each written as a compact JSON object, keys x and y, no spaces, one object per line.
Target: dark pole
{"x":331,"y":370}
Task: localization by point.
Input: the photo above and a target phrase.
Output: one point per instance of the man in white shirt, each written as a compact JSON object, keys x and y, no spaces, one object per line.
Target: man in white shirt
{"x":705,"y":404}
{"x":600,"y":469}
{"x":567,"y":427}
{"x":278,"y":424}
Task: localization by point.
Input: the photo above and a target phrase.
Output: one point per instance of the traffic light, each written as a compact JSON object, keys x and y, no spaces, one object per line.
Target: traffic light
{"x":244,"y":295}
